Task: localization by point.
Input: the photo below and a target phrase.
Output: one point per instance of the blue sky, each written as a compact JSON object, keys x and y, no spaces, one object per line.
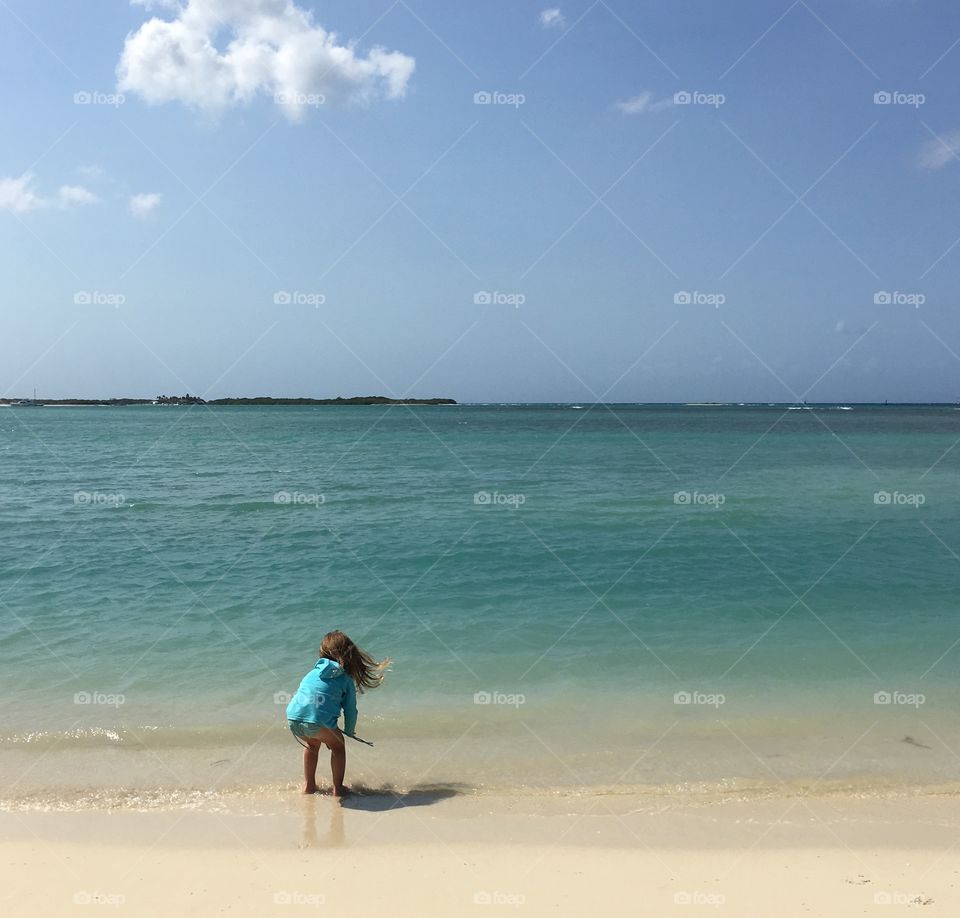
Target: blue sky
{"x":258,"y":196}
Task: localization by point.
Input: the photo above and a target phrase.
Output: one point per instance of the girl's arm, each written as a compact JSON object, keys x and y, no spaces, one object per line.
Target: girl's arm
{"x":350,"y":708}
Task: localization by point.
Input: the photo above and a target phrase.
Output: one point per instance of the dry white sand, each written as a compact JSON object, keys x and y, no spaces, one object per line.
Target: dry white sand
{"x":482,"y":856}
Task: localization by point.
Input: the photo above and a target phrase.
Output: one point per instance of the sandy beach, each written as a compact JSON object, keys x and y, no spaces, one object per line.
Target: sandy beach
{"x":423,"y":854}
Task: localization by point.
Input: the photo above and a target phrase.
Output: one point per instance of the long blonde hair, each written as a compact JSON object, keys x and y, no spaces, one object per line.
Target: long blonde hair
{"x":366,"y":672}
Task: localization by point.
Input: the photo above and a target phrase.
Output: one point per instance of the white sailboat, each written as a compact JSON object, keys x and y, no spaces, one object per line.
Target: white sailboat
{"x":27,"y":402}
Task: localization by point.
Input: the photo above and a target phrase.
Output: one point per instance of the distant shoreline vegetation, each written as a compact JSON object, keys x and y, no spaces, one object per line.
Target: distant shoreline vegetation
{"x":268,"y":400}
{"x":258,"y":400}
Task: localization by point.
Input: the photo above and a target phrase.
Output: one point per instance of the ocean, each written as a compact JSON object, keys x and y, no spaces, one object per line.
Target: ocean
{"x":693,"y":601}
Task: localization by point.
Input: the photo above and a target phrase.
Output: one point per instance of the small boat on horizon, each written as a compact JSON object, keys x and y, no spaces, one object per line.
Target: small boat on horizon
{"x":27,"y":402}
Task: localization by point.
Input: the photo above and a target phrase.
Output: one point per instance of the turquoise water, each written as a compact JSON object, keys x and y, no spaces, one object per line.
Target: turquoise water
{"x":580,"y":566}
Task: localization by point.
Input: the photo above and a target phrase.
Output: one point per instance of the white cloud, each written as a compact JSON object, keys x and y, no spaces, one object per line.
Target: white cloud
{"x":270,"y":47}
{"x":643,"y":103}
{"x":936,"y":153}
{"x":17,"y":195}
{"x":75,"y":194}
{"x":142,"y":205}
{"x":552,"y":19}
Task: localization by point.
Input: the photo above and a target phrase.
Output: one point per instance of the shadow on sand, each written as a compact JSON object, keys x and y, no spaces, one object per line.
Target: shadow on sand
{"x":385,"y":797}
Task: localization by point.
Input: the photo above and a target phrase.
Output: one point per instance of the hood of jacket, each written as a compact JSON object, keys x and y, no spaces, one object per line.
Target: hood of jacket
{"x":329,"y":669}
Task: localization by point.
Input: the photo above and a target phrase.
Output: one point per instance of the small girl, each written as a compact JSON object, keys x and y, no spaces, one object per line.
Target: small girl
{"x":342,"y":670}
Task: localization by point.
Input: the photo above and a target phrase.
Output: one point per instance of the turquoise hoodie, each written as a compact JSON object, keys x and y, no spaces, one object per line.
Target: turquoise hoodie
{"x":323,"y":692}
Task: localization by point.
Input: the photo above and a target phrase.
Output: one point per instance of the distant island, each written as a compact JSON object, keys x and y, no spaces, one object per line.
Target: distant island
{"x":188,"y":399}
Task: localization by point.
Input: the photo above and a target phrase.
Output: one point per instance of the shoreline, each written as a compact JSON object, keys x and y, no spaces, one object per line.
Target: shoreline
{"x":488,"y":751}
{"x":274,"y":799}
{"x":429,"y":814}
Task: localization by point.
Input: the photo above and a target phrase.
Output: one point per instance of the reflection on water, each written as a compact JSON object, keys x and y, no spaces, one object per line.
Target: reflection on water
{"x":320,"y":809}
{"x":314,"y":808}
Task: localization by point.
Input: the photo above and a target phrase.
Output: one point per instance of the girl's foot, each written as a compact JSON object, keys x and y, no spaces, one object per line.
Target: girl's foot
{"x":310,"y":789}
{"x":343,"y":792}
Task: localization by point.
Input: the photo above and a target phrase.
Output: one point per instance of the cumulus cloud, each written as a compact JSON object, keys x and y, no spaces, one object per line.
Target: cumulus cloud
{"x":142,"y":205}
{"x":214,"y":54}
{"x":75,"y":194}
{"x":17,"y":195}
{"x":643,"y":103}
{"x":552,"y":19}
{"x":936,"y":153}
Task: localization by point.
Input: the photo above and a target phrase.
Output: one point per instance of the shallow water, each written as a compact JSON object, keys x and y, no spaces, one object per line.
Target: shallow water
{"x":664,"y":597}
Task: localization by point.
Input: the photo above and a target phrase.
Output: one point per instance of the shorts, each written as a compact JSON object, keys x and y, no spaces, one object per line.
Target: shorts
{"x":304,"y":728}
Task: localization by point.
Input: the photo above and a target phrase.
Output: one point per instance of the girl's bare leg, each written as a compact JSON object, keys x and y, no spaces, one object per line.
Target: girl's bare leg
{"x":333,"y":740}
{"x":338,"y":767}
{"x":311,"y":753}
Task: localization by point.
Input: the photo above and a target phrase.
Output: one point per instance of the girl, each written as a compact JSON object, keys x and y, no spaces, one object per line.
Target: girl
{"x":342,"y":670}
